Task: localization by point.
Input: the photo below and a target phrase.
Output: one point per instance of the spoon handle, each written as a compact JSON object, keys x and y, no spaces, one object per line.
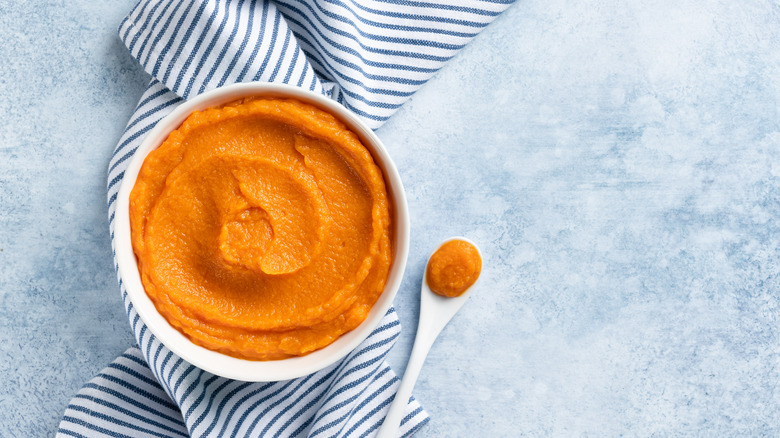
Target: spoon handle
{"x":423,"y":341}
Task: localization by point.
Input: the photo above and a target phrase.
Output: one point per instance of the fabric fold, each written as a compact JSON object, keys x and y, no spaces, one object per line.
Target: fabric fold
{"x":370,"y":56}
{"x":345,"y":399}
{"x":192,"y":47}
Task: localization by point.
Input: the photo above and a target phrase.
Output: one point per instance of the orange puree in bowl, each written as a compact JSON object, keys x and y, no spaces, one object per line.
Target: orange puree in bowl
{"x":262,"y":229}
{"x":453,"y":268}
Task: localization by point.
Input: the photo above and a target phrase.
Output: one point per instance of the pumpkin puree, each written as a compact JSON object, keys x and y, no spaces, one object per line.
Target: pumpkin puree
{"x":262,"y":229}
{"x":453,"y":268}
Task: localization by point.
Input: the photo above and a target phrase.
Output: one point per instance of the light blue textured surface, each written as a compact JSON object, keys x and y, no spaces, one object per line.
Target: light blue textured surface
{"x":619,"y":165}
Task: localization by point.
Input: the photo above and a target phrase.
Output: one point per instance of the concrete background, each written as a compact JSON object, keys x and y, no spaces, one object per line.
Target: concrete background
{"x":618,"y":163}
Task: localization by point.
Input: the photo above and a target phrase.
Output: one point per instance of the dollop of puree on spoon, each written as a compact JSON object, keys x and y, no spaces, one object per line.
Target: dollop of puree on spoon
{"x":453,"y":268}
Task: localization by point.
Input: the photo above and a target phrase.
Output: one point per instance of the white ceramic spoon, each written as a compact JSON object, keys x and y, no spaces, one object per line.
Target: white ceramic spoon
{"x":435,"y":312}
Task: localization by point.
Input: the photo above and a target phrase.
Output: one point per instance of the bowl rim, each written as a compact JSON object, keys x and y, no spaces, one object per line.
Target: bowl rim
{"x":219,"y":363}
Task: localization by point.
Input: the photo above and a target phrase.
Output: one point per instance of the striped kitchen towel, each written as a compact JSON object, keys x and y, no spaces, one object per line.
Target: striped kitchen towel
{"x":369,"y":55}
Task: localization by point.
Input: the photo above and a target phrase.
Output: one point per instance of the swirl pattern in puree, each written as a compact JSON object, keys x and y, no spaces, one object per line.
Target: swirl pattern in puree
{"x":262,"y":228}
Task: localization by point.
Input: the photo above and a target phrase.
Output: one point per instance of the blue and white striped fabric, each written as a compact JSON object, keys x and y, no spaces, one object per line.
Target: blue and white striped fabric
{"x":369,"y":55}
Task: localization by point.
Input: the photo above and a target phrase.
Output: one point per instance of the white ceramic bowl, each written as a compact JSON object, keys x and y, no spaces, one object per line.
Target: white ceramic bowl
{"x":218,"y":363}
